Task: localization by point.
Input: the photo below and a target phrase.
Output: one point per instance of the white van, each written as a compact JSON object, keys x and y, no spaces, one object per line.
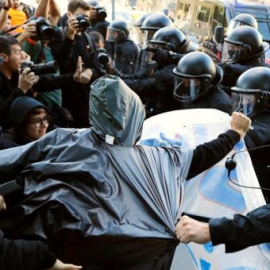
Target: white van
{"x":199,"y":18}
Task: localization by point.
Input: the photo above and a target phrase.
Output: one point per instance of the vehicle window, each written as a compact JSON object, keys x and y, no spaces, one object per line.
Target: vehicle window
{"x":202,"y":20}
{"x":182,"y":10}
{"x":218,"y":19}
{"x":202,"y":13}
{"x":263,"y":18}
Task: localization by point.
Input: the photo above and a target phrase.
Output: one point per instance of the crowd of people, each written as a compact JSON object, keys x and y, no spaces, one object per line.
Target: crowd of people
{"x":51,"y":63}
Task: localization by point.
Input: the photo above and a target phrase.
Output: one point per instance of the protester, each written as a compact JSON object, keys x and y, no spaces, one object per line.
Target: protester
{"x":97,"y":188}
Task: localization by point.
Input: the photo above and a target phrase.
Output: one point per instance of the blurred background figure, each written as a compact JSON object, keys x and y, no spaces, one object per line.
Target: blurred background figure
{"x":97,"y":18}
{"x":124,"y":51}
{"x":137,"y":28}
{"x":18,"y":16}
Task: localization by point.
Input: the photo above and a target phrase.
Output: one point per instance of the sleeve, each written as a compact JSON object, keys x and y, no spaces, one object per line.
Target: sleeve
{"x":23,"y":254}
{"x":65,"y":54}
{"x":208,"y":154}
{"x":258,"y":136}
{"x":50,"y":82}
{"x":242,"y":231}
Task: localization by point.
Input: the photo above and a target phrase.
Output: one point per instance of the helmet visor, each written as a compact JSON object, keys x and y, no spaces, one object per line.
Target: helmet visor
{"x":232,"y":52}
{"x":112,"y":35}
{"x":188,"y":89}
{"x":233,"y":24}
{"x":245,"y":102}
{"x":147,"y":36}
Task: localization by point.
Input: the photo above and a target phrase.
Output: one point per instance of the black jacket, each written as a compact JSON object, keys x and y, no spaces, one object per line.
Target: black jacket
{"x":259,"y":136}
{"x":242,"y":231}
{"x":75,"y":96}
{"x":24,"y":254}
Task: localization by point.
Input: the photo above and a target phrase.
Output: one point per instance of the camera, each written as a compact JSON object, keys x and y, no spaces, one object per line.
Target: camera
{"x":42,"y":68}
{"x":102,"y":56}
{"x":44,"y":29}
{"x":101,"y":13}
{"x":83,"y":22}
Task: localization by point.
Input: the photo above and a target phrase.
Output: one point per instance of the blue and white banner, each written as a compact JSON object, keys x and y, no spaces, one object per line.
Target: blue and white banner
{"x":211,"y":193}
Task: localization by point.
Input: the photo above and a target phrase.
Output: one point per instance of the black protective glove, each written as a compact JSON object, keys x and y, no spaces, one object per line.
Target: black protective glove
{"x":163,"y":56}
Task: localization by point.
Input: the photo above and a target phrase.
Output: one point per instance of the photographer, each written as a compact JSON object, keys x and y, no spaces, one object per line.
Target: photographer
{"x":97,"y":19}
{"x":77,"y":43}
{"x":14,"y":83}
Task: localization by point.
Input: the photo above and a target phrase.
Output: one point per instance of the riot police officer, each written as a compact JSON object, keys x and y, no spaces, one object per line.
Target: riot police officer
{"x":197,"y":81}
{"x":137,"y":27}
{"x":251,"y":96}
{"x":243,"y":49}
{"x":124,"y":50}
{"x":159,"y":86}
{"x":148,"y":28}
{"x":242,"y":19}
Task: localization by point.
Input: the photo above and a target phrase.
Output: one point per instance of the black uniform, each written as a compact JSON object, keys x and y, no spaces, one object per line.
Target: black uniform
{"x":216,"y":98}
{"x":242,"y":231}
{"x":260,"y":136}
{"x":124,"y":54}
{"x":232,"y":71}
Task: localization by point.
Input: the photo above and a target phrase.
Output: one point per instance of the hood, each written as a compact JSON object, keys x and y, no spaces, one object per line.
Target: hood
{"x":20,"y":108}
{"x":116,"y":112}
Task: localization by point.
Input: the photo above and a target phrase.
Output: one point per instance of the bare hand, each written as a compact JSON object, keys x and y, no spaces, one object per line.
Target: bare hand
{"x":2,"y":203}
{"x":63,"y":266}
{"x":80,"y":75}
{"x":73,"y":27}
{"x":240,"y":123}
{"x":191,"y":230}
{"x":27,"y":79}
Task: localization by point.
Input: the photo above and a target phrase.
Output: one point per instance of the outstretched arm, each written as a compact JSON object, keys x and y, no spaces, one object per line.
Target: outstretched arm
{"x":208,"y":154}
{"x":237,"y":233}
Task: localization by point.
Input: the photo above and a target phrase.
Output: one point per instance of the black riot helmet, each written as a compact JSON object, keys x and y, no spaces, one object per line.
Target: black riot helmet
{"x":137,"y":27}
{"x":251,"y":94}
{"x":242,"y":43}
{"x":140,"y":21}
{"x":195,"y":74}
{"x":155,"y":22}
{"x":171,"y":39}
{"x":152,"y":24}
{"x":117,"y":30}
{"x":242,"y":19}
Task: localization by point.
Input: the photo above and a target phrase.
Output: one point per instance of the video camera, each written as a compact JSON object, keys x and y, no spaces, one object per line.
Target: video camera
{"x":42,"y":68}
{"x":44,"y":29}
{"x":83,"y":22}
{"x":102,"y":56}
